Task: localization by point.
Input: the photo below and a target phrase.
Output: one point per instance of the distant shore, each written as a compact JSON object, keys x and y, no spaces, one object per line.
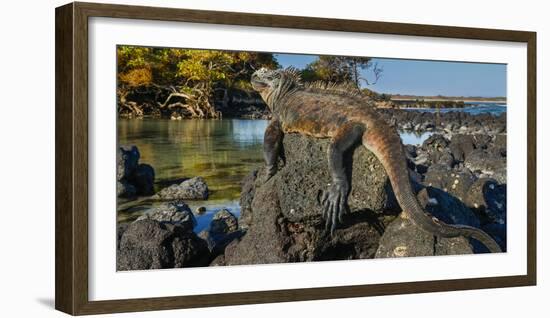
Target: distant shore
{"x":448,"y":99}
{"x":439,"y":102}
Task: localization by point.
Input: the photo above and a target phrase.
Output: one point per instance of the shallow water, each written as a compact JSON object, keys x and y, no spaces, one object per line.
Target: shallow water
{"x":414,"y":138}
{"x":223,"y":152}
{"x":220,"y":151}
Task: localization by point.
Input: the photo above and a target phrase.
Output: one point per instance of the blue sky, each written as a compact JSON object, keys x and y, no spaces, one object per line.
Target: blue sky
{"x":421,"y":77}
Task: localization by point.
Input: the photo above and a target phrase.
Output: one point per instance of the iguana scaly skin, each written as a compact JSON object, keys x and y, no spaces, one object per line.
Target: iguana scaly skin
{"x":349,"y":120}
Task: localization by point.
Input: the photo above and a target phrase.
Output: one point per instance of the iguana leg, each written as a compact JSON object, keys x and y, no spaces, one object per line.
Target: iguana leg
{"x":273,"y":140}
{"x":335,"y":200}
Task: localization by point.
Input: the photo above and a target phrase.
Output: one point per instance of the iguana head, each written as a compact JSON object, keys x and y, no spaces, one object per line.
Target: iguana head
{"x":274,"y":84}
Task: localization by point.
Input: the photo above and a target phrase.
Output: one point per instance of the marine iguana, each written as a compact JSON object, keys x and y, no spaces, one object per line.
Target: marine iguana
{"x":349,"y":119}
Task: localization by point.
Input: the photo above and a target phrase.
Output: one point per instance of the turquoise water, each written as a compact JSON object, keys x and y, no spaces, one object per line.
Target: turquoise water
{"x":472,"y":108}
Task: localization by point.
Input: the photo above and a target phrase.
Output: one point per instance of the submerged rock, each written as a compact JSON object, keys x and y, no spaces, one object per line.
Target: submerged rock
{"x":127,"y":161}
{"x":124,"y":189}
{"x":133,"y":178}
{"x":143,"y":178}
{"x":191,"y":189}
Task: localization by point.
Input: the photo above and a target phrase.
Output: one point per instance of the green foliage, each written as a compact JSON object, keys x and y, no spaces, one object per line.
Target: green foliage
{"x":370,"y":93}
{"x":131,"y":57}
{"x":204,"y":66}
{"x":340,"y":69}
{"x":188,"y":68}
{"x":153,"y":80}
{"x":133,"y":65}
{"x":385,"y":97}
{"x":308,"y":74}
{"x":137,"y":77}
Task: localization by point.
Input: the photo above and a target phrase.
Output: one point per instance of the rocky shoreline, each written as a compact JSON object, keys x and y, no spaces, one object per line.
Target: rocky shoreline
{"x":459,"y":175}
{"x":447,"y":122}
{"x":429,"y":103}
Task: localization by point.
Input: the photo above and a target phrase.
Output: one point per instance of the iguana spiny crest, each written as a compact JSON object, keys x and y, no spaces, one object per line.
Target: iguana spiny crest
{"x":272,"y":84}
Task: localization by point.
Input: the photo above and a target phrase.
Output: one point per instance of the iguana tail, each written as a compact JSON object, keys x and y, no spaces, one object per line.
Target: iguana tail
{"x":385,"y":143}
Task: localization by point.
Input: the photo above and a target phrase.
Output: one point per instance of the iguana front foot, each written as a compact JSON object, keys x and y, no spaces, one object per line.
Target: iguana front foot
{"x":273,"y":148}
{"x":334,"y":203}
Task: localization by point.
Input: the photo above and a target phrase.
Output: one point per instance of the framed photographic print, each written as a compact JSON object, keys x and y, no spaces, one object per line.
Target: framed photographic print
{"x":219,"y":158}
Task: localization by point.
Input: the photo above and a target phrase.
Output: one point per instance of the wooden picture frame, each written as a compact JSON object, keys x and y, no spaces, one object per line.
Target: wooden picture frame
{"x":72,"y":280}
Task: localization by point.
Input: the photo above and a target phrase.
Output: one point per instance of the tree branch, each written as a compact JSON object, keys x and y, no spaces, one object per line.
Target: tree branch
{"x":182,"y":95}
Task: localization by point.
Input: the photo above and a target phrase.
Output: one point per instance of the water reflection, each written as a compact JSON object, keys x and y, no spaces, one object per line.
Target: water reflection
{"x":248,"y":132}
{"x":221,"y":151}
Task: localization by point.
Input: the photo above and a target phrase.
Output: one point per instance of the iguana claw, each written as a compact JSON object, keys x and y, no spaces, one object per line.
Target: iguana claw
{"x":270,"y":171}
{"x":334,"y":203}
